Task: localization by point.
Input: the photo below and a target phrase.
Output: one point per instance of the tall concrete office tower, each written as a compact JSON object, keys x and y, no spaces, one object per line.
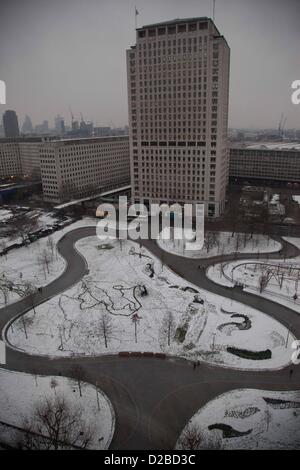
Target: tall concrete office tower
{"x":178,"y":83}
{"x":10,"y":124}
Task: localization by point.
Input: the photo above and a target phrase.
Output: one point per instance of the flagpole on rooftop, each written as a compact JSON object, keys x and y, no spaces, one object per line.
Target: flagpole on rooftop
{"x":136,"y":14}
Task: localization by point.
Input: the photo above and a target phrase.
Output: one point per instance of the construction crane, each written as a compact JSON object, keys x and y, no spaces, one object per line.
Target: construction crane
{"x":283,"y":126}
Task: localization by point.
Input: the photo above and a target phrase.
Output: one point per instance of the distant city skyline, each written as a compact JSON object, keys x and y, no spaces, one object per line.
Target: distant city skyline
{"x":66,"y":53}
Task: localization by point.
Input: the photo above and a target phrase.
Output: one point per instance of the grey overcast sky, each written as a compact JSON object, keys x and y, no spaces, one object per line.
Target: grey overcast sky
{"x":60,"y":53}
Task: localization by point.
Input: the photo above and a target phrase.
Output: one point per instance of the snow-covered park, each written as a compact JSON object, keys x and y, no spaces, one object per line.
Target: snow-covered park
{"x":246,"y":419}
{"x":216,"y":244}
{"x":24,"y":269}
{"x":130,"y":301}
{"x":21,"y":393}
{"x":277,"y":280}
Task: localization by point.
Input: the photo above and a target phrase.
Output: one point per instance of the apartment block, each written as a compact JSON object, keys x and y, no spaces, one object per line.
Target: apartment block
{"x":178,"y":85}
{"x":81,"y":167}
{"x":271,"y":162}
{"x":10,"y":161}
{"x":21,"y":156}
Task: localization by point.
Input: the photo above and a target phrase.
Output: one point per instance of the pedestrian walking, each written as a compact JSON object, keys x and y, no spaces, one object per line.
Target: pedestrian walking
{"x":194,"y":365}
{"x":291,"y":373}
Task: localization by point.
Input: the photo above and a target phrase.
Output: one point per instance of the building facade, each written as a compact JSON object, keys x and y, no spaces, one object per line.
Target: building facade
{"x":178,"y":85}
{"x":30,"y":155}
{"x":10,"y":161}
{"x":80,"y":167}
{"x":274,"y":162}
{"x":21,"y":157}
{"x":10,"y":124}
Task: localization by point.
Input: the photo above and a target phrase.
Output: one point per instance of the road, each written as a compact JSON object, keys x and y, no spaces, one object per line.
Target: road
{"x":153,"y":398}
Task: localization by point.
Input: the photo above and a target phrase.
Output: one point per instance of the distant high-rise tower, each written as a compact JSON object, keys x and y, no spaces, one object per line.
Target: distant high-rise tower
{"x":178,"y":83}
{"x":10,"y":124}
{"x":59,"y":124}
{"x":27,"y":127}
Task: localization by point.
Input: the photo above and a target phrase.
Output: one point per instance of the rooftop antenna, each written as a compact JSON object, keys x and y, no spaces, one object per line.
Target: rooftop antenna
{"x":214,"y":9}
{"x":136,"y":14}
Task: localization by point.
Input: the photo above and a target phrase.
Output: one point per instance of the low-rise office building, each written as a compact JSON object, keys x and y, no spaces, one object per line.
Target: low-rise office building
{"x":21,"y":156}
{"x":80,"y":167}
{"x":274,"y":162}
{"x":10,"y":161}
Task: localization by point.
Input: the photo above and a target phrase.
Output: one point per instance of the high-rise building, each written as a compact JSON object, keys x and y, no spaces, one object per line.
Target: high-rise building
{"x":10,"y":124}
{"x":42,"y":128}
{"x":27,"y":127}
{"x":59,"y":125}
{"x":178,"y":83}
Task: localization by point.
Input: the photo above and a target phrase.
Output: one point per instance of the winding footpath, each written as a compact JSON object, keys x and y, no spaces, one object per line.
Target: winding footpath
{"x":154,"y":398}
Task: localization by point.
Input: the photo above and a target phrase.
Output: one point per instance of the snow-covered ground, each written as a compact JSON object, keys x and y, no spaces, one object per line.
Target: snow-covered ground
{"x":293,"y":240}
{"x":19,"y":393}
{"x":218,"y":244}
{"x":39,"y":217}
{"x":296,"y":199}
{"x":202,"y":325}
{"x":26,"y":265}
{"x":249,"y":419}
{"x":5,"y":215}
{"x":280,"y":280}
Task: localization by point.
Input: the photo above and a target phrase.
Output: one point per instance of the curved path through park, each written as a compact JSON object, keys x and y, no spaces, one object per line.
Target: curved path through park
{"x":154,"y":398}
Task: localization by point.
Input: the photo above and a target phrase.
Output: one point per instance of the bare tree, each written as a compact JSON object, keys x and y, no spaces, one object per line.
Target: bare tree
{"x":238,"y":240}
{"x":30,"y":292}
{"x":264,"y":280}
{"x":79,"y":375}
{"x":191,"y":438}
{"x":211,"y":240}
{"x":4,"y":289}
{"x":3,"y":247}
{"x":26,"y":322}
{"x":168,"y":327}
{"x":53,"y":384}
{"x":56,"y":424}
{"x":44,"y":260}
{"x":23,"y":225}
{"x":135,"y":320}
{"x":105,"y":328}
{"x":51,"y":245}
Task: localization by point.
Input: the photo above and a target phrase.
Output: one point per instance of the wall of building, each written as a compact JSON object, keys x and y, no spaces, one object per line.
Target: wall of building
{"x":10,"y":161}
{"x":266,"y":164}
{"x":30,"y":159}
{"x":178,"y":82}
{"x":77,"y":168}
